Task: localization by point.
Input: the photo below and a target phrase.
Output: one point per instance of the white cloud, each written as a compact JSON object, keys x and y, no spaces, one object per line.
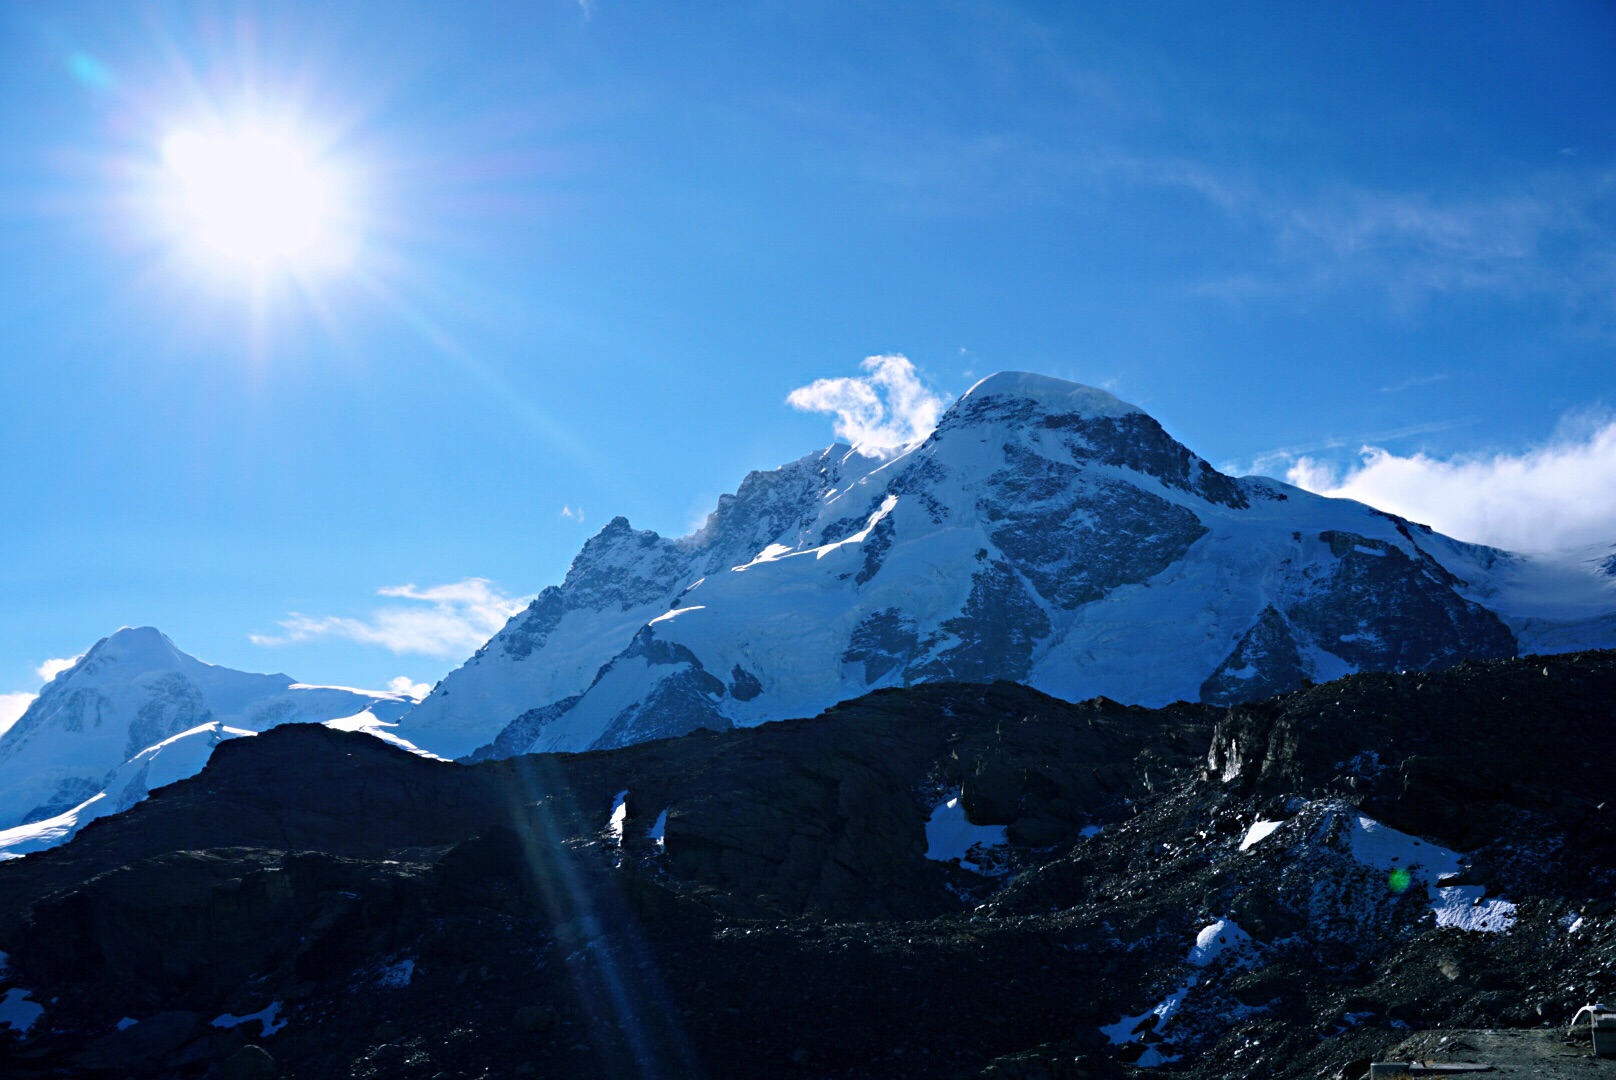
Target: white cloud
{"x":1549,"y":498}
{"x":12,"y":706}
{"x":888,"y":408}
{"x":572,"y":514}
{"x":52,"y":668}
{"x":403,"y":685}
{"x":448,"y":621}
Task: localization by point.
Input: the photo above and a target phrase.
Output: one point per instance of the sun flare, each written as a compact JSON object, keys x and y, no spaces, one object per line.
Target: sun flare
{"x":255,"y":198}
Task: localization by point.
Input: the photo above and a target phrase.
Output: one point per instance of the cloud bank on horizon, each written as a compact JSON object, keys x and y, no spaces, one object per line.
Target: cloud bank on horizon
{"x":1554,"y":497}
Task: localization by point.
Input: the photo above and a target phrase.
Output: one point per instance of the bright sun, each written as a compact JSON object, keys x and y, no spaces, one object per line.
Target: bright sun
{"x":254,"y":198}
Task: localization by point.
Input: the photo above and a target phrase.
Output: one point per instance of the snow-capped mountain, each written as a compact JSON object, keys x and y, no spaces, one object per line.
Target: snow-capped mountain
{"x":135,"y":713}
{"x":1046,"y":533}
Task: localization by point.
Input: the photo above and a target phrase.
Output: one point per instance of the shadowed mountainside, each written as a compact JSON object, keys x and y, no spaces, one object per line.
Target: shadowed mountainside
{"x":1288,"y":886}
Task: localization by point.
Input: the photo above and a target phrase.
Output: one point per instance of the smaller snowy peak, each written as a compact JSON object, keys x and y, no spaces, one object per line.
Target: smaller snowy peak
{"x":143,"y":647}
{"x":1054,"y":395}
{"x":611,"y":545}
{"x":120,"y":708}
{"x":619,"y":566}
{"x":787,"y":506}
{"x":625,"y":578}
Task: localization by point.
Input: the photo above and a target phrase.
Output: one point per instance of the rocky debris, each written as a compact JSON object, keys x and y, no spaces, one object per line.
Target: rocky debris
{"x":1182,"y":890}
{"x":155,"y":1038}
{"x":1456,"y":755}
{"x":1542,"y":1053}
{"x":249,"y":1063}
{"x":1048,"y":1062}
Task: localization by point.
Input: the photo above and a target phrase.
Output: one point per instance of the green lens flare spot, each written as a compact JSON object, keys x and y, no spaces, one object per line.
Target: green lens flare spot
{"x":1398,"y":880}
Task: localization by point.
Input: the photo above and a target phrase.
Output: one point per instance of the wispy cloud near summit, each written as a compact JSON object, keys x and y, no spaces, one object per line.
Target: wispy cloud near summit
{"x":888,"y":408}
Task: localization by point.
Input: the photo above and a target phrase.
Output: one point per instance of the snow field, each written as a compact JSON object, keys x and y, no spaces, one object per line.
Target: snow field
{"x":267,"y":1018}
{"x":17,"y":1012}
{"x":1221,"y":941}
{"x":950,"y":836}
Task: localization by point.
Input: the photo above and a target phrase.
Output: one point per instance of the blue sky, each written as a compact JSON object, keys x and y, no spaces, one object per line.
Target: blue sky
{"x":593,"y":248}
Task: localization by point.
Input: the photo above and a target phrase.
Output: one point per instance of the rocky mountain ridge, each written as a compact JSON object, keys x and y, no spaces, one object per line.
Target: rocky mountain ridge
{"x":1045,"y":533}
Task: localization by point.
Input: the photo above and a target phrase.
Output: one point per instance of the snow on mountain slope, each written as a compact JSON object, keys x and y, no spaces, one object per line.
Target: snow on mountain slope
{"x":621,"y":580}
{"x":136,"y":713}
{"x":1046,"y":533}
{"x":1557,"y":603}
{"x":175,"y":758}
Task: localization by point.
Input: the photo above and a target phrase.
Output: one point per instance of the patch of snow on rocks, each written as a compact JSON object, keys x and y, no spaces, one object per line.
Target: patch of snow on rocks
{"x":1220,"y":941}
{"x":659,"y":831}
{"x":1258,"y":831}
{"x":950,"y":835}
{"x":1465,"y":907}
{"x":369,"y":724}
{"x":1392,"y":863}
{"x":17,"y":1012}
{"x":1384,"y":848}
{"x":614,"y":824}
{"x":1130,"y":1027}
{"x":267,"y":1016}
{"x":1223,"y":936}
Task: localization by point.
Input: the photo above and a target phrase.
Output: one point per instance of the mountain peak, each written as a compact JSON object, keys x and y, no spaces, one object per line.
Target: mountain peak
{"x":137,"y":712}
{"x":1054,"y":394}
{"x":143,"y":646}
{"x":1046,"y":533}
{"x":140,"y":636}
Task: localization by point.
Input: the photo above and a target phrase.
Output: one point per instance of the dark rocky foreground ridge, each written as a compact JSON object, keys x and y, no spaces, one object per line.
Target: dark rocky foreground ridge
{"x":404,"y":917}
